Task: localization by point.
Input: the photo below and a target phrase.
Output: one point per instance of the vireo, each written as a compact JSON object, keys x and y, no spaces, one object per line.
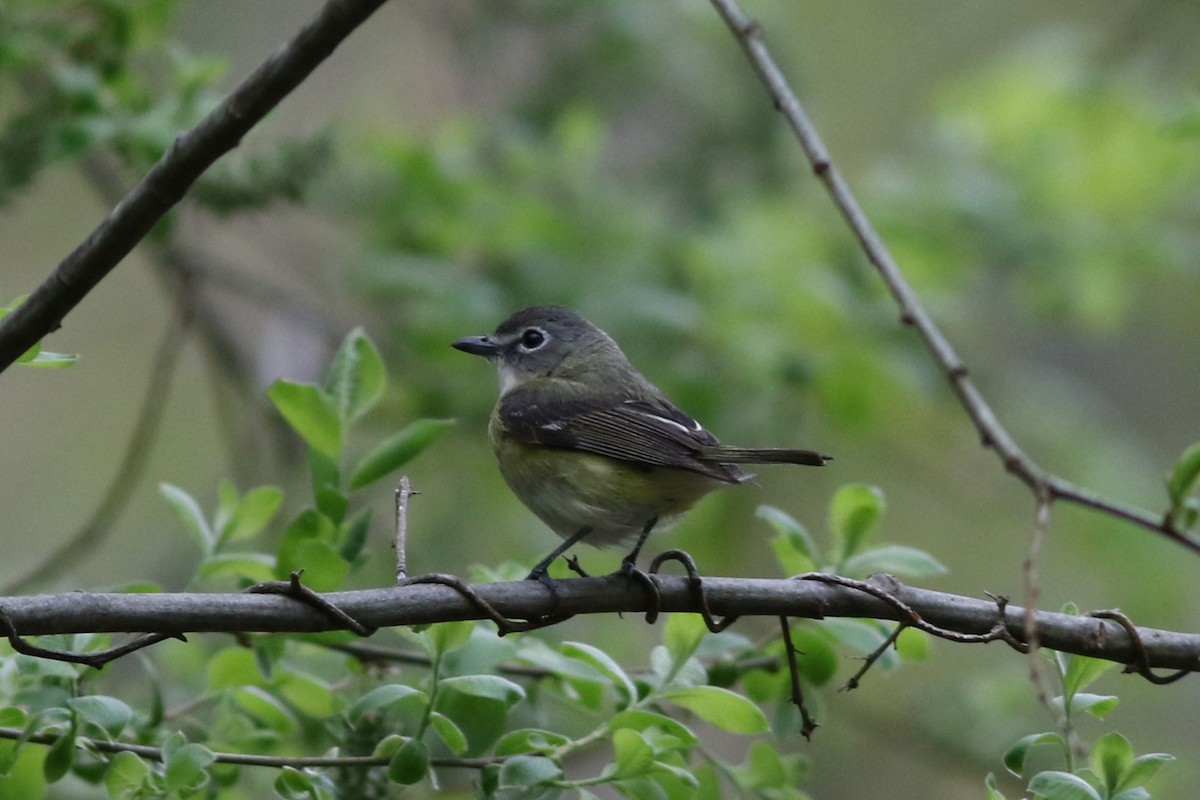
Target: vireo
{"x":591,"y":446}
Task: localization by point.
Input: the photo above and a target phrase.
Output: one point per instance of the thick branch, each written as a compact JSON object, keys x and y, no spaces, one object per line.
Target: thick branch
{"x":912,"y":311}
{"x":191,"y":154}
{"x":416,"y":604}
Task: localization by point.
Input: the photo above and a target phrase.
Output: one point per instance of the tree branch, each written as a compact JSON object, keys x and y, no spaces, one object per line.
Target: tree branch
{"x":191,"y":154}
{"x":912,"y":312}
{"x":419,"y":604}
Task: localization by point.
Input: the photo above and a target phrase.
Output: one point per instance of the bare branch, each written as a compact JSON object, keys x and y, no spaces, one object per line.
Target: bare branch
{"x":191,"y":154}
{"x":418,"y":603}
{"x":912,"y":312}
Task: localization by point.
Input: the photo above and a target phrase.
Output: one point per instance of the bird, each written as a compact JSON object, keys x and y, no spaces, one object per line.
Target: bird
{"x":591,"y":446}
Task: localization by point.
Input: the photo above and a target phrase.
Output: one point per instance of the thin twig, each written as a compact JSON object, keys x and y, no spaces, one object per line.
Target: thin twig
{"x":808,"y":723}
{"x":403,"y":492}
{"x":912,"y":312}
{"x":1032,"y":593}
{"x":189,"y":156}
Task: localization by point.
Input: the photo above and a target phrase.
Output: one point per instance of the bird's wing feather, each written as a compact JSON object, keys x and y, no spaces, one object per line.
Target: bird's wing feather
{"x":650,"y":432}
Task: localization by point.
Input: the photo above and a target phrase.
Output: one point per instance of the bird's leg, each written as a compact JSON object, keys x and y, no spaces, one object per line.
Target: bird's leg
{"x":632,"y":574}
{"x":629,"y":562}
{"x":539,"y":572}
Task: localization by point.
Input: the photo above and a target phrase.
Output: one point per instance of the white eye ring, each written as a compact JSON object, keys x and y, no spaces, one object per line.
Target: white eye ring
{"x":532,"y":338}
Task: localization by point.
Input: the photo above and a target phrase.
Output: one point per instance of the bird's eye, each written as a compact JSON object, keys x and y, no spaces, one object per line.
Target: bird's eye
{"x":533,"y":338}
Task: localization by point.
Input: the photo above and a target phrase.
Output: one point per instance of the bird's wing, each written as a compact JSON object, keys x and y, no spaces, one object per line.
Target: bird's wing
{"x":650,"y":432}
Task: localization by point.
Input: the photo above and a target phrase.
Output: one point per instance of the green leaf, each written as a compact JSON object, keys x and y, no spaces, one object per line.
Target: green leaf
{"x":126,"y":775}
{"x":189,"y":512}
{"x":409,"y":764}
{"x":853,"y":513}
{"x":311,"y":413}
{"x":447,"y":636}
{"x":379,"y":699}
{"x":529,"y":739}
{"x":989,"y":784}
{"x":107,"y":713}
{"x":47,"y":359}
{"x":913,"y":645}
{"x":604,"y":664}
{"x":682,"y":634}
{"x":525,"y":771}
{"x":252,"y":514}
{"x":490,"y":686}
{"x":639,"y":719}
{"x":720,"y":707}
{"x":1014,"y":759}
{"x":293,"y":784}
{"x":895,"y":559}
{"x":815,"y":656}
{"x":634,"y":756}
{"x":254,"y":567}
{"x":396,"y":451}
{"x":794,"y":546}
{"x":356,"y":378}
{"x":1184,"y":475}
{"x":1056,"y":785}
{"x":1143,"y":769}
{"x":1111,"y":759}
{"x":232,"y":667}
{"x":1098,"y":705}
{"x":60,"y":756}
{"x":354,"y":535}
{"x":307,"y":694}
{"x":266,"y":708}
{"x":450,"y":734}
{"x":185,"y":767}
{"x":1081,"y":671}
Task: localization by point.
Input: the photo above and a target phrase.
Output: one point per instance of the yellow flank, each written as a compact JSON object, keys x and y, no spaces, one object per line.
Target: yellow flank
{"x":570,"y":490}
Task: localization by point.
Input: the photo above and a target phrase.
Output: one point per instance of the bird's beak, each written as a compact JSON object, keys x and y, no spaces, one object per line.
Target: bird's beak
{"x":477,"y":346}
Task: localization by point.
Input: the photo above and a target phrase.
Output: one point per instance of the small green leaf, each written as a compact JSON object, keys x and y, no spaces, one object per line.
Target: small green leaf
{"x":410,"y":763}
{"x":107,"y":713}
{"x":354,"y":534}
{"x":1081,"y":671}
{"x":396,"y":451}
{"x":815,"y":656}
{"x":379,"y":699}
{"x":529,"y":739}
{"x":252,"y":514}
{"x":307,"y":694}
{"x":1111,"y":759}
{"x":794,"y":546}
{"x":639,"y":719}
{"x":266,"y":708}
{"x":634,"y":756}
{"x":186,"y":766}
{"x":293,"y":784}
{"x":682,"y":634}
{"x":1098,"y":705}
{"x":447,"y":636}
{"x":254,"y":567}
{"x":721,"y":707}
{"x":450,"y":734}
{"x":1055,"y":785}
{"x":1184,"y":475}
{"x":44,"y":358}
{"x":526,"y":771}
{"x":311,"y":413}
{"x":989,"y":784}
{"x":126,"y":775}
{"x":913,"y":645}
{"x":232,"y":667}
{"x":490,"y":686}
{"x":60,"y":756}
{"x":1142,"y":770}
{"x":189,"y":512}
{"x":1014,"y":759}
{"x":853,"y":513}
{"x":356,"y":378}
{"x":895,"y":559}
{"x":604,"y":664}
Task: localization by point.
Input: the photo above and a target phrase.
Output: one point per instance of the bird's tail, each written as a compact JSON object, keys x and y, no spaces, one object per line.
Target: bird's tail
{"x":728,"y":454}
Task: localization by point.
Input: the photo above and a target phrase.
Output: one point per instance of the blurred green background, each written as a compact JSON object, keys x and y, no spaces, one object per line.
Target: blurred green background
{"x":1034,"y":169}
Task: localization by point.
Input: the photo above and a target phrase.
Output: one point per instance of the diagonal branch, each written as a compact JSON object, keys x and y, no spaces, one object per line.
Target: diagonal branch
{"x":912,"y":312}
{"x":424,"y":603}
{"x":192,"y":153}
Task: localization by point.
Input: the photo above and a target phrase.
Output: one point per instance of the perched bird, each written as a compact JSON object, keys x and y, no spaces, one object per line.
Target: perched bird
{"x":591,"y":446}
